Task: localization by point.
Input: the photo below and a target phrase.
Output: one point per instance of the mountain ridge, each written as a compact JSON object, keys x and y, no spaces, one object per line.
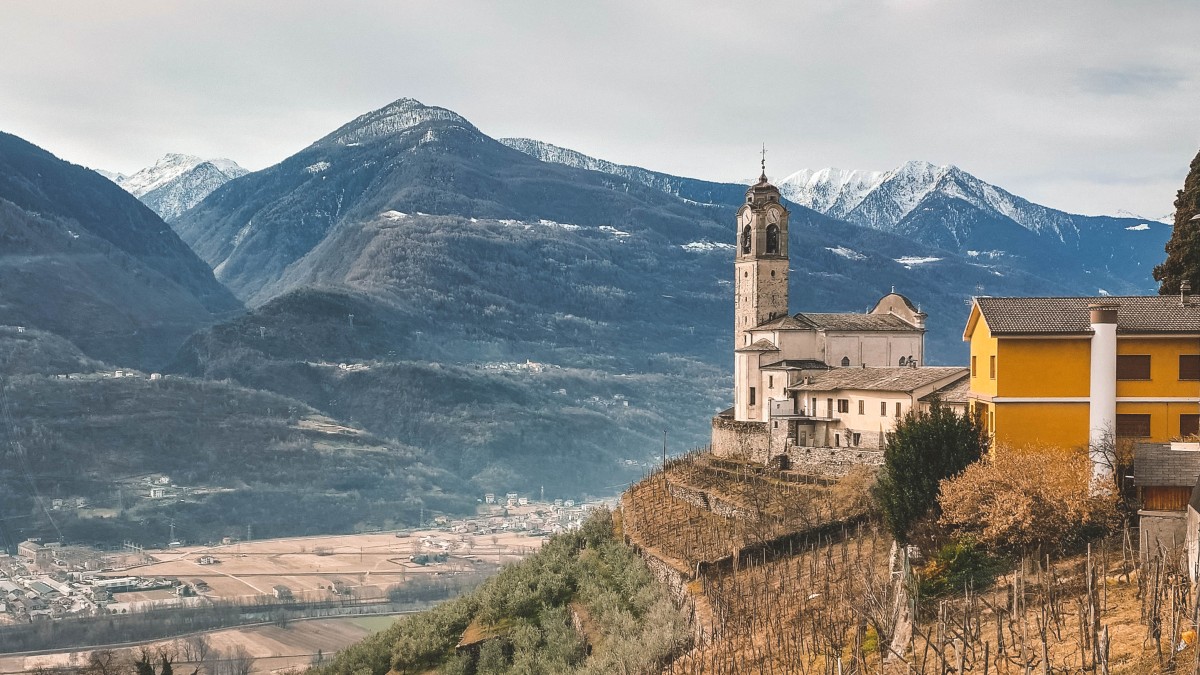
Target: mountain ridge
{"x":177,"y":182}
{"x":86,"y":260}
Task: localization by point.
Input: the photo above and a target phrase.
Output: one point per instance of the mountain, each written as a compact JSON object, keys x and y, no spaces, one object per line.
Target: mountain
{"x":83,"y":259}
{"x":951,"y":210}
{"x":178,"y":182}
{"x":947,"y":207}
{"x":528,"y":322}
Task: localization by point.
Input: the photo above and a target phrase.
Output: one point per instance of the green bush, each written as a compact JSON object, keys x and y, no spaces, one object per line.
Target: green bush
{"x":955,"y":566}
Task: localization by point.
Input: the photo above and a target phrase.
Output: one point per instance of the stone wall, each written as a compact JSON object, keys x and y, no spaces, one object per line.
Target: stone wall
{"x":761,"y":442}
{"x":835,"y":462}
{"x":731,"y":438}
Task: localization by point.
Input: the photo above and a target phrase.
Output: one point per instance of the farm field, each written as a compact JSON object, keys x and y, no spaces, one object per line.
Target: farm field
{"x":273,"y":648}
{"x":310,"y":567}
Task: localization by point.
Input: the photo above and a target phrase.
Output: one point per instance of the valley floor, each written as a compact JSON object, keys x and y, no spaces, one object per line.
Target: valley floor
{"x":297,"y":645}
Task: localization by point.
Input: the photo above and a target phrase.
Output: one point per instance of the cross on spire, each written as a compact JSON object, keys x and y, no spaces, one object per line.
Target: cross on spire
{"x":764,"y":162}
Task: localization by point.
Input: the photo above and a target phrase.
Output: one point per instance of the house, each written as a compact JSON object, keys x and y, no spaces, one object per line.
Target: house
{"x":1072,"y":371}
{"x":854,"y":407}
{"x":815,"y":380}
{"x":1165,"y":475}
{"x":282,"y":592}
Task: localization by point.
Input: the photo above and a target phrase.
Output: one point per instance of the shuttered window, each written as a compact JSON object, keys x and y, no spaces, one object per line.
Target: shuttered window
{"x":1189,"y":366}
{"x":1189,"y":425}
{"x":1133,"y":426}
{"x":1133,"y":367}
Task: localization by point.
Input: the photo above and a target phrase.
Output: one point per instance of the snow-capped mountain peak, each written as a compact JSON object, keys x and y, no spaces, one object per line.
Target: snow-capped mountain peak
{"x":178,"y":182}
{"x":833,"y":191}
{"x":396,"y":117}
{"x":166,"y":169}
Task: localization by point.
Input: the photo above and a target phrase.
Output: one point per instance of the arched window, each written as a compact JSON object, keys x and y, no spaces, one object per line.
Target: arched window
{"x":746,"y":240}
{"x":772,"y":238}
{"x":845,"y":361}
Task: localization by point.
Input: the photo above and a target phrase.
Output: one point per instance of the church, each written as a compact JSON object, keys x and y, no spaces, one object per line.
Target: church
{"x":817,"y":389}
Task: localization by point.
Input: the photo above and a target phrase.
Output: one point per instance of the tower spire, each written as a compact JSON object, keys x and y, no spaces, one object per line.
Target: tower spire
{"x":763,"y":177}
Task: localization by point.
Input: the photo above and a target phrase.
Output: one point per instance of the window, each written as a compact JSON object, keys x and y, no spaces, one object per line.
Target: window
{"x":772,"y":239}
{"x":862,"y":406}
{"x":770,"y":382}
{"x":992,"y":366}
{"x":974,"y":372}
{"x":845,"y":361}
{"x":883,"y":408}
{"x":857,"y":439}
{"x":837,"y":440}
{"x":751,"y":395}
{"x":746,"y":240}
{"x":843,"y":405}
{"x":1133,"y":426}
{"x":1189,"y":424}
{"x":1189,"y":366}
{"x":829,"y":407}
{"x":897,"y":408}
{"x":1133,"y":366}
{"x":814,"y":407}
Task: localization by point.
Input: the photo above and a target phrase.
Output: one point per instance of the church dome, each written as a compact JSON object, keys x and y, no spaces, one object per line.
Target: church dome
{"x":762,"y":192}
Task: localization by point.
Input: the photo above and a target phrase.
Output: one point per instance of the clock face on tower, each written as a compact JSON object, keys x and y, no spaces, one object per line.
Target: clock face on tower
{"x":773,"y":216}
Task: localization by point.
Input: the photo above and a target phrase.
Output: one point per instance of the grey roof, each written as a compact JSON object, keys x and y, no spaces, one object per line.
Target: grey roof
{"x":797,"y":364}
{"x":878,"y":379}
{"x":885,"y":322}
{"x":797,"y":322}
{"x":838,"y":321}
{"x":955,"y":392}
{"x":760,"y":345}
{"x":1136,"y":314}
{"x":1158,"y":464}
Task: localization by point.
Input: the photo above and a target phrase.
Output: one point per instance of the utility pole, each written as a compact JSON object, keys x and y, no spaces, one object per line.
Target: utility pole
{"x":664,"y":447}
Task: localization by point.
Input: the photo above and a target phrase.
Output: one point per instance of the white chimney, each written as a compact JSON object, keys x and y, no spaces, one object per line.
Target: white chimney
{"x":1102,"y":417}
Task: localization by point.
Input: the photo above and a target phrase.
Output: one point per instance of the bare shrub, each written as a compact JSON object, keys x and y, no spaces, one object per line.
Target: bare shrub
{"x":1022,"y":498}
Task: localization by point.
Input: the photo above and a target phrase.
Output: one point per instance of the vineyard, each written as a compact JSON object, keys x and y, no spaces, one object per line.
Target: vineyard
{"x":788,"y":576}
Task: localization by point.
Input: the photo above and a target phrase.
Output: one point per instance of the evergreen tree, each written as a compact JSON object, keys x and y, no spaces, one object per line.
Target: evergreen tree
{"x":1183,"y":249}
{"x":925,"y":447}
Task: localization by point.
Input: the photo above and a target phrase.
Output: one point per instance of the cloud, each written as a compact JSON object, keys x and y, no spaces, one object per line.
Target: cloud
{"x":1025,"y":93}
{"x":1131,"y":80}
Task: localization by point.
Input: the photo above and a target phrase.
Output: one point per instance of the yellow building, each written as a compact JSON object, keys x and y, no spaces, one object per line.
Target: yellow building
{"x":1068,"y":371}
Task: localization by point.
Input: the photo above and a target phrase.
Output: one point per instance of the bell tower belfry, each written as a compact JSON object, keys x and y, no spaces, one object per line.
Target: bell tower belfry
{"x":761,"y":264}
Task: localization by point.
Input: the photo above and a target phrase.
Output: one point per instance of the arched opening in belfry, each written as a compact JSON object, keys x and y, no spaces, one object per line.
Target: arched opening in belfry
{"x":772,"y":239}
{"x":746,"y":239}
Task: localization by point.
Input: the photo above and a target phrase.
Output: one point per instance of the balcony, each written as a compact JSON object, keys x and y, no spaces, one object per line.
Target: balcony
{"x":786,"y":408}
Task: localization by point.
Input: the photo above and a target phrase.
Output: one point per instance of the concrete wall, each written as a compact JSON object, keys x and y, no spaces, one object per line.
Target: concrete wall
{"x":873,"y":349}
{"x":1161,"y":532}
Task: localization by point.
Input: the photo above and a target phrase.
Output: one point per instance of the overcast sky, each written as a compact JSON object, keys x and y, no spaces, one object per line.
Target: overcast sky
{"x":1089,"y":106}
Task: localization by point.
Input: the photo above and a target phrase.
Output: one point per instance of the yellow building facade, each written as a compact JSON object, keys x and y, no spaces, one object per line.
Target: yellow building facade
{"x":1062,"y":371}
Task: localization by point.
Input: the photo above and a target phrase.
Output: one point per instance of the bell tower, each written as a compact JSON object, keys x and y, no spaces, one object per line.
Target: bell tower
{"x":761,"y":264}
